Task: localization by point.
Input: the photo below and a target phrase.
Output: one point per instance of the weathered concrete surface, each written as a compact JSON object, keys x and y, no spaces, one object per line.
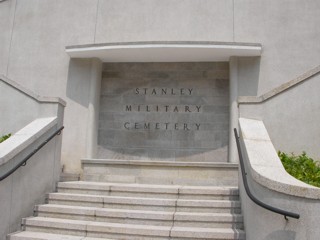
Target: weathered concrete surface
{"x":38,"y":60}
{"x":41,"y":31}
{"x":7,"y":11}
{"x":20,"y":106}
{"x":166,"y":20}
{"x":288,"y":31}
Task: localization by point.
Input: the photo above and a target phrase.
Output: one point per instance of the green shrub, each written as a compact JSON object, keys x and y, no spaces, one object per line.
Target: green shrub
{"x":5,"y":137}
{"x":301,"y":167}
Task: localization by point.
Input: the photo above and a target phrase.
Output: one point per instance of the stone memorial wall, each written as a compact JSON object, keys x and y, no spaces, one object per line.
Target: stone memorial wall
{"x":164,"y":111}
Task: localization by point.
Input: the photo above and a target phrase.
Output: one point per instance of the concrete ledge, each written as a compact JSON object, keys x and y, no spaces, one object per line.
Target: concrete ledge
{"x":253,"y":99}
{"x":32,"y":94}
{"x":164,"y":51}
{"x":265,"y":165}
{"x":23,"y":138}
{"x":161,"y":163}
{"x":25,"y":235}
{"x":160,"y":172}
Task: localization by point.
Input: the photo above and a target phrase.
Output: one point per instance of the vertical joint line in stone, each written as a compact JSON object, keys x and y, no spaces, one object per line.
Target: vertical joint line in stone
{"x":46,"y":199}
{"x":109,"y":190}
{"x":233,"y":20}
{"x":174,"y":212}
{"x":86,"y":231}
{"x":35,"y":210}
{"x":23,"y":224}
{"x":95,"y":214}
{"x":54,"y":183}
{"x":11,"y":198}
{"x":96,"y":22}
{"x":11,"y":37}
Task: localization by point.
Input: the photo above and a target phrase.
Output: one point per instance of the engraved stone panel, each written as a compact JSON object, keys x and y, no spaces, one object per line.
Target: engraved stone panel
{"x":164,"y":111}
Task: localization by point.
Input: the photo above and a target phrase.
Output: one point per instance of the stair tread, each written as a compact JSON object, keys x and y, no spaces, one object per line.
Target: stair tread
{"x":71,"y":198}
{"x":162,"y":163}
{"x":48,"y":236}
{"x":144,"y":185}
{"x":142,"y":198}
{"x":134,"y":187}
{"x":157,"y":214}
{"x":43,"y":221}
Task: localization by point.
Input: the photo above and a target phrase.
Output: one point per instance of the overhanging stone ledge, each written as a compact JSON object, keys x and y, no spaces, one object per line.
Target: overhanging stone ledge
{"x":165,"y":51}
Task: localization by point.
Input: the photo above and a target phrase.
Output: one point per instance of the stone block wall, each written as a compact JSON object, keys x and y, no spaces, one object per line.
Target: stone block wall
{"x":164,"y":111}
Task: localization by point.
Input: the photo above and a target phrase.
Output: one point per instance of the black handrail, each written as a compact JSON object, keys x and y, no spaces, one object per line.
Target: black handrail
{"x":23,"y":162}
{"x":250,"y":195}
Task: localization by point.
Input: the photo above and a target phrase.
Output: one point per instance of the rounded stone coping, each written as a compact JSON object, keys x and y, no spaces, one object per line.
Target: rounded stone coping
{"x":265,"y":165}
{"x":160,"y":163}
{"x":25,"y":137}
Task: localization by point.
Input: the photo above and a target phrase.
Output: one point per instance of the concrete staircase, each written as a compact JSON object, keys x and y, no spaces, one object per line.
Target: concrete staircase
{"x":90,"y":210}
{"x":115,"y":200}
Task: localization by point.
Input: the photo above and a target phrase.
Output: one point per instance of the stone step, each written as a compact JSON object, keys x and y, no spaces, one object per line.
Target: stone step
{"x":140,"y":203}
{"x":126,"y":231}
{"x":150,"y":191}
{"x":160,"y":172}
{"x":67,"y":177}
{"x":158,"y":218}
{"x":27,"y":235}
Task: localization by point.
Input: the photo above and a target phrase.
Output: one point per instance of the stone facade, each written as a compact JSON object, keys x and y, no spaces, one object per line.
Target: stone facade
{"x":164,"y":111}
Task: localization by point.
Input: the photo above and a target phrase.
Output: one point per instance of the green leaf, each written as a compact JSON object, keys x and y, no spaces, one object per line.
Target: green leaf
{"x":301,"y":167}
{"x":5,"y":137}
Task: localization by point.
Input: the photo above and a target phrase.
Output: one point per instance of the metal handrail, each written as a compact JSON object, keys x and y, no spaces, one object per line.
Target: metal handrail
{"x":249,"y":193}
{"x":23,"y":162}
